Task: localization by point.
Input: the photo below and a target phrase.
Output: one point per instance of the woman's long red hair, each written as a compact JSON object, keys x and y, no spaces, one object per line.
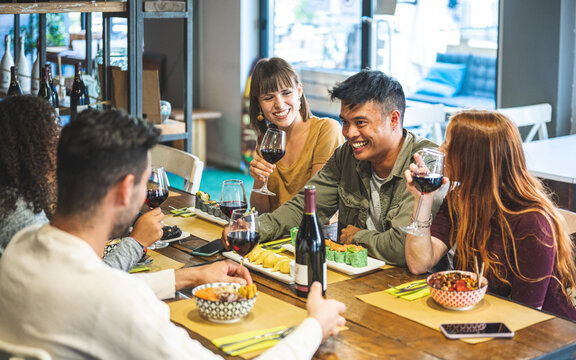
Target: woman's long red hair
{"x":484,"y":156}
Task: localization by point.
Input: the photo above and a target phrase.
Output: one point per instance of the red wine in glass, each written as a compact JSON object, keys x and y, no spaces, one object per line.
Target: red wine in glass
{"x":272,"y":155}
{"x":228,"y":206}
{"x":272,"y":149}
{"x":156,"y":197}
{"x":232,"y":197}
{"x":427,"y":183}
{"x":243,"y":242}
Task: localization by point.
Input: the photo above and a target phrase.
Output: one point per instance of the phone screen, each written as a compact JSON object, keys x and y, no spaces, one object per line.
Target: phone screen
{"x":476,"y":330}
{"x":212,"y":248}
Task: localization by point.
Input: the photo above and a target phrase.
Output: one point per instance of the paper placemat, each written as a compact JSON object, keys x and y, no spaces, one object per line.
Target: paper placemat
{"x":162,"y":262}
{"x":268,"y":312}
{"x":196,"y":226}
{"x":427,"y":312}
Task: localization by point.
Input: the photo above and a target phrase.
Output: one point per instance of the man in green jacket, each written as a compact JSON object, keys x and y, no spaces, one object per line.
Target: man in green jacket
{"x":364,"y":178}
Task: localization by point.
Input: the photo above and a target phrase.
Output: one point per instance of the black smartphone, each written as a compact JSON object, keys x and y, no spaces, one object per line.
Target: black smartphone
{"x":209,"y":249}
{"x":476,"y":330}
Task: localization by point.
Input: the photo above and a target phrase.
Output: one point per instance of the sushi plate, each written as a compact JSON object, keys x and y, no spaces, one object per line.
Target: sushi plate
{"x":373,"y":264}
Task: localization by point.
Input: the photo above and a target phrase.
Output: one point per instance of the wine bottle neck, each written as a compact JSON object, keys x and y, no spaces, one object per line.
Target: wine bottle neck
{"x":309,"y":200}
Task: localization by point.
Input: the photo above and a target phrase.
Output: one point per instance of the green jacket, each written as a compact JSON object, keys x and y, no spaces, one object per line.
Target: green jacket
{"x":343,"y":185}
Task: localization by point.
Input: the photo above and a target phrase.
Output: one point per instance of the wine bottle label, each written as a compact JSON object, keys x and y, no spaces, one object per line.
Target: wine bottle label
{"x":301,"y":277}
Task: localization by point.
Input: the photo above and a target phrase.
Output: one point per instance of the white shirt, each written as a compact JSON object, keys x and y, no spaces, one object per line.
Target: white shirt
{"x":58,"y":295}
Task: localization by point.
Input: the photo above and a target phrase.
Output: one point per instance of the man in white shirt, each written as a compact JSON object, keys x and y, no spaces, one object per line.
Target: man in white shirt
{"x":58,"y":295}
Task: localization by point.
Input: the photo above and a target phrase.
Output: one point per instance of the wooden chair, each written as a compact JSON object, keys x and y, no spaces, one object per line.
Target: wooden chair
{"x":531,"y":115}
{"x":427,"y":121}
{"x":10,"y":351}
{"x":179,"y":163}
{"x":570,"y":218}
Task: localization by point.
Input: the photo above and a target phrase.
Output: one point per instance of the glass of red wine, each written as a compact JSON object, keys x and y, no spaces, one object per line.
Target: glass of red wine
{"x":272,"y":149}
{"x":427,"y":178}
{"x":156,"y":194}
{"x":232,"y":197}
{"x":244,"y":232}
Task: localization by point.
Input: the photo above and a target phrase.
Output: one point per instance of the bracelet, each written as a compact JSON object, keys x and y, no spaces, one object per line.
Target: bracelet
{"x":424,"y":224}
{"x":144,"y":248}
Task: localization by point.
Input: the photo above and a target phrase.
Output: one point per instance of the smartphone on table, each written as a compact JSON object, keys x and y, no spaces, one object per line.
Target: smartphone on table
{"x":209,"y":249}
{"x":476,"y":330}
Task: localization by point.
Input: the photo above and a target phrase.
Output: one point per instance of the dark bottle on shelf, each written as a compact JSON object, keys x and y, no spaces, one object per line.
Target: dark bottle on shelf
{"x":14,"y":89}
{"x":56,"y":99}
{"x":79,"y":99}
{"x":310,"y":248}
{"x":45,"y":92}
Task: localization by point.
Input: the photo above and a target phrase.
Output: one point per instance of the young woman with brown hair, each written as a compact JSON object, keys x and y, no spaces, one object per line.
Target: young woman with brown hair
{"x":499,"y":213}
{"x":277,"y":99}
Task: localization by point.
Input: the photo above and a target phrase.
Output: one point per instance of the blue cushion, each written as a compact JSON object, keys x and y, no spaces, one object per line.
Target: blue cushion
{"x":443,"y":79}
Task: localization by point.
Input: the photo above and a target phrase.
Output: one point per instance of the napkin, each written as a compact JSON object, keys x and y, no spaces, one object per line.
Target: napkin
{"x":410,"y":295}
{"x":139,"y":268}
{"x":247,"y":335}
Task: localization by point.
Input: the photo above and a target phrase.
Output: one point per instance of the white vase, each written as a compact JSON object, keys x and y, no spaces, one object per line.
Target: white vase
{"x":5,"y":65}
{"x":23,"y":69}
{"x":36,"y":74}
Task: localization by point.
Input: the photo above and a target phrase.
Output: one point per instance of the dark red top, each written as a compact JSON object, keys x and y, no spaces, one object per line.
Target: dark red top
{"x":536,"y":256}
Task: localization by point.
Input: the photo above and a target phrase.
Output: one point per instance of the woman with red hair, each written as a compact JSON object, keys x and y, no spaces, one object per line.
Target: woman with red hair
{"x":498,"y":213}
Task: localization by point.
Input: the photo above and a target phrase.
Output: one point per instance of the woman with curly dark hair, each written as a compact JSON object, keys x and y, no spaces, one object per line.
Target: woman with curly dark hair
{"x":29,"y":132}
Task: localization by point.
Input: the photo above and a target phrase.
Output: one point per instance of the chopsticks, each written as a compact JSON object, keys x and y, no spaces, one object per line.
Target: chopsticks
{"x":479,"y":274}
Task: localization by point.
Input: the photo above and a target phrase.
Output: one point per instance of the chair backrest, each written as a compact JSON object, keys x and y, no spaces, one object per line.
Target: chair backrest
{"x":428,"y":120}
{"x":531,"y":115}
{"x":181,"y":163}
{"x":570,"y":218}
{"x":10,"y":351}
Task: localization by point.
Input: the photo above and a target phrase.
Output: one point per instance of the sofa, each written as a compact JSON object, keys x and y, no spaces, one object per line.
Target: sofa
{"x":459,"y":80}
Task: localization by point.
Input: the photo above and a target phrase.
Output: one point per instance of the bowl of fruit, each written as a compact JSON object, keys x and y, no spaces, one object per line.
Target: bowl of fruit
{"x":225,"y":302}
{"x":456,"y":290}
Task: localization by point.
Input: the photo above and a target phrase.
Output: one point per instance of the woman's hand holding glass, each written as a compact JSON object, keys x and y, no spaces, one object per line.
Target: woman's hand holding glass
{"x":425,"y":176}
{"x":272,"y":149}
{"x":156,"y":193}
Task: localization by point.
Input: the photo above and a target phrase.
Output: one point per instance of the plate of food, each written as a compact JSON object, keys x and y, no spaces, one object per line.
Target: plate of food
{"x":173,"y":233}
{"x":347,"y":259}
{"x":267,"y":262}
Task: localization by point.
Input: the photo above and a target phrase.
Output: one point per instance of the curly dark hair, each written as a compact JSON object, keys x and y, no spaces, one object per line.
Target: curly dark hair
{"x":29,"y":131}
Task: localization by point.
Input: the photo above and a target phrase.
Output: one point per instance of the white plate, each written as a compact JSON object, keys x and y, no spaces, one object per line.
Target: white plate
{"x":373,"y":264}
{"x":206,"y":216}
{"x":183,"y":236}
{"x":285,"y":278}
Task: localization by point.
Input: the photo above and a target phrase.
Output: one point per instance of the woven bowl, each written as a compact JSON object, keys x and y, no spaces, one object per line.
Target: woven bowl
{"x":457,"y":300}
{"x":220,"y":311}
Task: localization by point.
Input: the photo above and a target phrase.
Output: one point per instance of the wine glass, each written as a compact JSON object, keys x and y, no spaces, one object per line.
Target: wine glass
{"x":244,"y":232}
{"x":272,"y":149}
{"x":430,"y":163}
{"x":232,"y":197}
{"x":156,"y":194}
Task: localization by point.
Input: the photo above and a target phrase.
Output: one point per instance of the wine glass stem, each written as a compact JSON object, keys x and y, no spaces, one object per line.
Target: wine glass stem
{"x":265,"y":186}
{"x":241,"y":263}
{"x":415,"y":216}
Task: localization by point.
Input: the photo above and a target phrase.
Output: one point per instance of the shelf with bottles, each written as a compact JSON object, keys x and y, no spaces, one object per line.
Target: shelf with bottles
{"x":63,"y":7}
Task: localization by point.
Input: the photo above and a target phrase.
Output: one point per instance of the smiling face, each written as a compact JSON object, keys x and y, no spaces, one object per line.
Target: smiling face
{"x":371,"y":133}
{"x":282,"y":107}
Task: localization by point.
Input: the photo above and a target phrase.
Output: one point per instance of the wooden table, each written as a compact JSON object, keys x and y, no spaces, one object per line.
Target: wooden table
{"x":553,"y":161}
{"x":378,"y":334}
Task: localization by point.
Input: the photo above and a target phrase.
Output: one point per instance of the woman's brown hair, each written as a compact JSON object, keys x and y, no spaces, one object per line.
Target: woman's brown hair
{"x":271,"y":75}
{"x":29,"y":132}
{"x":484,"y":157}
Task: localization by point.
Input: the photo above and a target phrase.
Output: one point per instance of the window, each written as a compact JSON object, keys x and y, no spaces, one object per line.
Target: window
{"x":442,"y":51}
